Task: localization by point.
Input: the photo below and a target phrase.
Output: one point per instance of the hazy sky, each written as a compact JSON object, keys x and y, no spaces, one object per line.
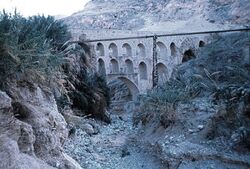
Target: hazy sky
{"x":47,"y":7}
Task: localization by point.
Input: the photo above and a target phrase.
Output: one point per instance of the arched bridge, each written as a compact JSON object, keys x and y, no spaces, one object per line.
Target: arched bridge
{"x":144,"y":61}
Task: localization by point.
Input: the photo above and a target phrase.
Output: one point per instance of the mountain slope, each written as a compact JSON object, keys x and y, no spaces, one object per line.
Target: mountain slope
{"x":161,"y":15}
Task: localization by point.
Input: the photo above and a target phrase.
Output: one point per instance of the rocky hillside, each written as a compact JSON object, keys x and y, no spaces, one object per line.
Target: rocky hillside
{"x":42,"y":81}
{"x":200,"y":117}
{"x":161,"y":15}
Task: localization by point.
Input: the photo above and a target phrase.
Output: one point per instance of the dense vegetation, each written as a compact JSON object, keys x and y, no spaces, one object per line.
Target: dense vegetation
{"x":35,"y":50}
{"x":33,"y":43}
{"x":220,"y":74}
{"x":85,"y":90}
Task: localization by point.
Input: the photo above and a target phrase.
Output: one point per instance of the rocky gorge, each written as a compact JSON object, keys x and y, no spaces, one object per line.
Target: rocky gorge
{"x":72,"y":118}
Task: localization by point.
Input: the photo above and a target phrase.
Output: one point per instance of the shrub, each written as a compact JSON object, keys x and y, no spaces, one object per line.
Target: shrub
{"x":35,"y":48}
{"x":33,"y":44}
{"x":87,"y":90}
{"x":220,"y":64}
{"x":91,"y":96}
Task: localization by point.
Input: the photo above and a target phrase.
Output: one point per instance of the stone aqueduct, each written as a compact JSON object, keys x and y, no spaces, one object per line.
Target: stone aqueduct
{"x":130,"y":56}
{"x":131,"y":60}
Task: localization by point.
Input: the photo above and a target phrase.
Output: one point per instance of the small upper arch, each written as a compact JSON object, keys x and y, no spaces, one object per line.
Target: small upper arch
{"x":201,"y":44}
{"x":161,"y":49}
{"x":100,"y":49}
{"x":101,"y":67}
{"x":129,"y":66}
{"x":188,"y":55}
{"x":127,"y":50}
{"x":113,"y":50}
{"x":114,"y":66}
{"x":162,"y":73}
{"x":143,"y":71}
{"x":141,"y":50}
{"x":173,"y":49}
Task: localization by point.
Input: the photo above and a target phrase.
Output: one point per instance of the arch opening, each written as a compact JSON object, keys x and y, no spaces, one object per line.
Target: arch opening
{"x":127,"y":50}
{"x":113,"y":50}
{"x":161,"y":50}
{"x":173,"y":49}
{"x":122,"y":89}
{"x":129,"y":66}
{"x":100,"y":49}
{"x":101,"y":67}
{"x":143,"y":71}
{"x":162,"y":73}
{"x":132,"y":87}
{"x":201,"y":44}
{"x":188,"y":55}
{"x":114,"y":66}
{"x":141,"y":50}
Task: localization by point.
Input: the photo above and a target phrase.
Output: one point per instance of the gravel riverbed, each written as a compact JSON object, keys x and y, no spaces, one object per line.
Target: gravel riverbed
{"x":112,"y":146}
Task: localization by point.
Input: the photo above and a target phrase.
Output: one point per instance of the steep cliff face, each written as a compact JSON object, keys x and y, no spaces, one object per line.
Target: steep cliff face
{"x":32,"y":130}
{"x":161,"y":15}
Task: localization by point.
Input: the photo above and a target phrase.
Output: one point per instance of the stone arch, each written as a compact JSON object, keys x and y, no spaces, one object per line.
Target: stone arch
{"x":162,"y":73}
{"x":114,"y":66}
{"x":188,"y":55}
{"x":143,"y":71}
{"x":113,"y":50}
{"x":129,"y":66}
{"x":201,"y":44}
{"x":101,"y":67}
{"x":100,"y":49}
{"x":127,"y":50}
{"x":161,"y":50}
{"x":141,"y":50}
{"x":132,"y":86}
{"x":173,"y":49}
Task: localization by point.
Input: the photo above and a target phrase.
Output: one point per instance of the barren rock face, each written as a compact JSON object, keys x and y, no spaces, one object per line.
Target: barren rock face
{"x":5,"y":101}
{"x":32,"y":130}
{"x":161,"y":15}
{"x":16,"y":139}
{"x":38,"y":108}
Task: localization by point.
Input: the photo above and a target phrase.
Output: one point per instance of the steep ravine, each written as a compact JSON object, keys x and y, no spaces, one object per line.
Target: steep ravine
{"x":205,"y":125}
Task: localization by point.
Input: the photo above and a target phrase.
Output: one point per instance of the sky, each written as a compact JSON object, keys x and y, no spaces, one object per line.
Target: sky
{"x":46,"y":7}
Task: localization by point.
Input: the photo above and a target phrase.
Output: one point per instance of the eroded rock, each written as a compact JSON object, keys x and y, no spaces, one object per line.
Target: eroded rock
{"x":32,"y":130}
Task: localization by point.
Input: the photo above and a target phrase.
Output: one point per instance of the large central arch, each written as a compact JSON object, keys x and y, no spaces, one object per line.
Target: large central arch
{"x":130,"y":84}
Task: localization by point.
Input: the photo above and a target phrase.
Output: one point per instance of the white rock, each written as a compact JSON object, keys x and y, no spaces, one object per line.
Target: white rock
{"x":200,"y":127}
